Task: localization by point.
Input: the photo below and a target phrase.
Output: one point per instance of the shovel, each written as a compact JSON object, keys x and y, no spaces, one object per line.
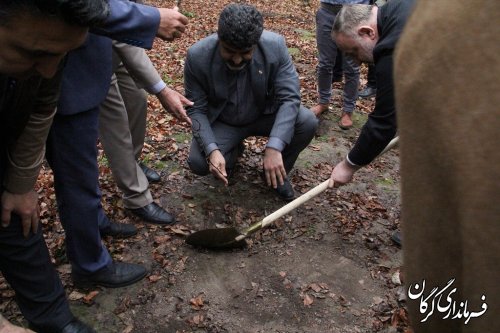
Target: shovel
{"x":227,"y":238}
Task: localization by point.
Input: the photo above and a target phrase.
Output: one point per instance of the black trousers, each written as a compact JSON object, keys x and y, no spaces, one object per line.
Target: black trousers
{"x":25,"y":264}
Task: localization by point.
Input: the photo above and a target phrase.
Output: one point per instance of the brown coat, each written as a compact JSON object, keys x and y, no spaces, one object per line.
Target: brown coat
{"x":447,"y":73}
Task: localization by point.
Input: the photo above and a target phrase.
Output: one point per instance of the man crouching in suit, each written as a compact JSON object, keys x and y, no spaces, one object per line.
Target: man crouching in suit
{"x":243,"y":83}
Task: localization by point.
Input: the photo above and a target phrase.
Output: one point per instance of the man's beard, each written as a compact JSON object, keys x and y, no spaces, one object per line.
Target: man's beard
{"x":237,"y":68}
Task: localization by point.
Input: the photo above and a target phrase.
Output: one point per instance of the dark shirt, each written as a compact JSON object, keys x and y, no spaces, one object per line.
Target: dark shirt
{"x":381,"y":126}
{"x":240,"y":109}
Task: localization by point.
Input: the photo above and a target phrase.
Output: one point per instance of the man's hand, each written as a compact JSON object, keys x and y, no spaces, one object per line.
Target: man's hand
{"x":274,"y":168}
{"x":25,"y":205}
{"x":7,"y":327}
{"x":172,"y":24}
{"x":174,"y":103}
{"x":217,"y":165}
{"x":342,"y":174}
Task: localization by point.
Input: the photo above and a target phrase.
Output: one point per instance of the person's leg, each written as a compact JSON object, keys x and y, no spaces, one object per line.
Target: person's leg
{"x":371,"y":86}
{"x":338,"y":68}
{"x":25,"y":263}
{"x":72,"y":155}
{"x":228,"y":139}
{"x":351,"y":72}
{"x":305,"y":127}
{"x":116,"y":139}
{"x":327,"y":53}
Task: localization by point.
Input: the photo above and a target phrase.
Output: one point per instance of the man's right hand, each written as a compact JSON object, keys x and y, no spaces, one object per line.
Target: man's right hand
{"x":217,"y":166}
{"x":172,"y":24}
{"x":25,"y":205}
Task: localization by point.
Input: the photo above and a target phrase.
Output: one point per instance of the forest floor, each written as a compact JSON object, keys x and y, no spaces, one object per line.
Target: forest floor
{"x":328,"y":266}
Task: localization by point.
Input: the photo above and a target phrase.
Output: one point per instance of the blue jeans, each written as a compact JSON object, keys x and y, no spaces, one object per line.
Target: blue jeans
{"x":327,"y":54}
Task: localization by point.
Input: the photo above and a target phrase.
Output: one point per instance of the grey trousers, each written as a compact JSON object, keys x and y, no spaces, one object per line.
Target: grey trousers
{"x":229,"y":137}
{"x":122,"y":127}
{"x":327,"y":53}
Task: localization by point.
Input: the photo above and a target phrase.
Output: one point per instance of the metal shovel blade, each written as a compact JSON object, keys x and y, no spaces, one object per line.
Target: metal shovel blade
{"x":220,"y":238}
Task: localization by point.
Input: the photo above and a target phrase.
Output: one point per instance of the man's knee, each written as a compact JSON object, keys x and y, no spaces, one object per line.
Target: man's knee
{"x":198,"y":165}
{"x":307,"y":122}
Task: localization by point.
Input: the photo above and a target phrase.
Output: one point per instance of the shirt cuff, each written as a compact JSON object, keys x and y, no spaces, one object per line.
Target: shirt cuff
{"x":210,"y":148}
{"x":276,"y":143}
{"x":351,"y":163}
{"x":156,"y":88}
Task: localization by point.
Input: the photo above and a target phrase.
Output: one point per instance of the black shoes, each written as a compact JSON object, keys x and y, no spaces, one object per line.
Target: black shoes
{"x":74,"y":326}
{"x":151,"y":175}
{"x":116,"y":275}
{"x":396,"y":238}
{"x":119,"y":230}
{"x":285,"y":191}
{"x":154,"y":213}
{"x":367,"y":92}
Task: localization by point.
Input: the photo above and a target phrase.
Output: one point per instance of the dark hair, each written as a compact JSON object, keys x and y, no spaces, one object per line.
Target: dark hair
{"x":240,"y":25}
{"x":85,"y":13}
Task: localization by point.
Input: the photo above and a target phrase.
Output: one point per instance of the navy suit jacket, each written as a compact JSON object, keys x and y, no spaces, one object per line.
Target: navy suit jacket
{"x":274,"y":80}
{"x":88,"y":70}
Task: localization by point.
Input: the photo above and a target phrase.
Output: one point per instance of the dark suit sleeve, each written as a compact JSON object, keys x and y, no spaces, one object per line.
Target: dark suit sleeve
{"x":130,"y":23}
{"x":198,"y":92}
{"x":287,"y":95}
{"x":381,"y":125}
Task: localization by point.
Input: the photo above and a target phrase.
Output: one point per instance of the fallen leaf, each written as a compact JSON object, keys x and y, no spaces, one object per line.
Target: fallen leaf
{"x":308,"y":300}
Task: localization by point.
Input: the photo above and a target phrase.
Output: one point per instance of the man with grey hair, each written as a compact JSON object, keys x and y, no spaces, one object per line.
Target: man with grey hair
{"x":370,"y":34}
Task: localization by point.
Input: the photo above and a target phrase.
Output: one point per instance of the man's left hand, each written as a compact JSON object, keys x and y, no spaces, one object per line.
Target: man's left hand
{"x":174,"y":103}
{"x":172,"y":24}
{"x":25,"y":205}
{"x":274,"y":168}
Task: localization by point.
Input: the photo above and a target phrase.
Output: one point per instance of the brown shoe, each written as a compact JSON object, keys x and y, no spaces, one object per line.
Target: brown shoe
{"x":319,"y":109}
{"x":345,"y":122}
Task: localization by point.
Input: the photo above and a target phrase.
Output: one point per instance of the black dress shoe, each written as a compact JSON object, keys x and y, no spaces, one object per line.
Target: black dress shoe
{"x":154,"y":213}
{"x":74,"y":326}
{"x":119,"y":230}
{"x":285,"y":191}
{"x":151,"y":175}
{"x":367,"y":92}
{"x":396,"y":238}
{"x":118,"y":274}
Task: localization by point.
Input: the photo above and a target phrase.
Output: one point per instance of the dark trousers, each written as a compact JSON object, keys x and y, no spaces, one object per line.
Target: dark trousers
{"x":327,"y":56}
{"x":229,"y":137}
{"x":72,"y":155}
{"x":26,"y":265}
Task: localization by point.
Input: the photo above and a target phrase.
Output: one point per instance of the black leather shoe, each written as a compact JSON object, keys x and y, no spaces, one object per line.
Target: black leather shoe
{"x":74,"y":326}
{"x":396,"y":238}
{"x":116,"y":275}
{"x":154,"y":213}
{"x":119,"y":230}
{"x":285,"y":191}
{"x":151,"y":175}
{"x":367,"y":92}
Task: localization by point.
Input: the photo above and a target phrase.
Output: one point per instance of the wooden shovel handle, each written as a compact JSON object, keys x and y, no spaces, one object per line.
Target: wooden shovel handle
{"x":295,"y":203}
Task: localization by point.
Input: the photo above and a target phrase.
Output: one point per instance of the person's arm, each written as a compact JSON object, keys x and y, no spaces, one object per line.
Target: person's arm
{"x":197,"y":92}
{"x":25,"y":157}
{"x":138,"y":25}
{"x":287,"y":93}
{"x":144,"y":74}
{"x":377,"y":132}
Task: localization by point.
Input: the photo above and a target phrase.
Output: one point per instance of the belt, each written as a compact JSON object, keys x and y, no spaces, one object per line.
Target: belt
{"x":333,"y":8}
